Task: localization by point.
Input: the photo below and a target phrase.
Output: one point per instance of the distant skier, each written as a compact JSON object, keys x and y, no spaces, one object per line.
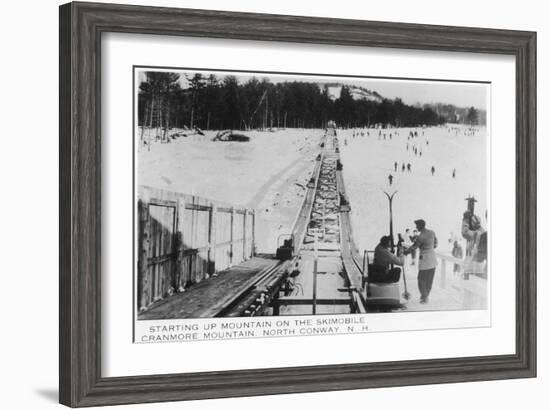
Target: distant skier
{"x":400,"y":240}
{"x":390,"y":178}
{"x":407,"y":146}
{"x":395,"y":165}
{"x":433,"y":170}
{"x":420,"y":153}
{"x":454,"y":173}
{"x":408,"y":167}
{"x":457,"y":252}
{"x":403,"y":167}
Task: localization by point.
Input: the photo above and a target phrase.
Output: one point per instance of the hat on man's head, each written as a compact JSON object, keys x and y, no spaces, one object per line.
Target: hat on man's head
{"x":420,"y":223}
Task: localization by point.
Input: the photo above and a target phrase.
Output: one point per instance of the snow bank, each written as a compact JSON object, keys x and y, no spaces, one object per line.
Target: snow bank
{"x":268,"y":173}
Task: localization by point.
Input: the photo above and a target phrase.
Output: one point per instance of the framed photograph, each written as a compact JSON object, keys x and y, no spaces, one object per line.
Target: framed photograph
{"x":259,"y":204}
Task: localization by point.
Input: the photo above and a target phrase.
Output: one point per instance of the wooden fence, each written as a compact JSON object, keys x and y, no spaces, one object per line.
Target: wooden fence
{"x":183,"y":239}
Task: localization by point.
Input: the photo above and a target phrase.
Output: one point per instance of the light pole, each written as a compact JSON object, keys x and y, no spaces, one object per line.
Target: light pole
{"x":316,"y":233}
{"x":390,"y":199}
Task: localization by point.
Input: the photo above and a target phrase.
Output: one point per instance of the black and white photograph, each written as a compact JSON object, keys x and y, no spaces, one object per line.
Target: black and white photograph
{"x":272,"y":205}
{"x":271,"y":194}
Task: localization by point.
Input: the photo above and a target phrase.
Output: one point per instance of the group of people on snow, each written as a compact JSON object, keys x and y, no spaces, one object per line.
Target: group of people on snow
{"x":424,"y":242}
{"x":408,"y":168}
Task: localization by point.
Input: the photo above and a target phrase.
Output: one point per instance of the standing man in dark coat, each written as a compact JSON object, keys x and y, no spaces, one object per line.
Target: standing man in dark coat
{"x":426,"y":242}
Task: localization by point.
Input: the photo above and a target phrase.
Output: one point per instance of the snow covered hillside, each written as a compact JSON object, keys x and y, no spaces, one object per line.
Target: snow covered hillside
{"x":357,"y":93}
{"x":268,"y":173}
{"x":438,"y":198}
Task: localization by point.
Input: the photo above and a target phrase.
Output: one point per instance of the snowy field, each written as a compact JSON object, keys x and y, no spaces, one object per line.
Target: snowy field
{"x":439,"y":199}
{"x":268,"y":173}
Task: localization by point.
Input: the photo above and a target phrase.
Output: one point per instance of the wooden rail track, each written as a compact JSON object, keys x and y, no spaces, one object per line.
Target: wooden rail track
{"x":323,"y":222}
{"x":261,"y":285}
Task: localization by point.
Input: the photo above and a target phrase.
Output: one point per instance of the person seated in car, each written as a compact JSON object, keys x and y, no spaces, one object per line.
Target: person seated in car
{"x":382,"y":269}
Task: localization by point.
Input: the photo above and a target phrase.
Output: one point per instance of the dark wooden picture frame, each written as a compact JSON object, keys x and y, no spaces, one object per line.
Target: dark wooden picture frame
{"x":81,"y":27}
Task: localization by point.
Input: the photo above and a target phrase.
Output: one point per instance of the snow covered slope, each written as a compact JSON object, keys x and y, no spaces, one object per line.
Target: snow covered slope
{"x":438,"y":199}
{"x":268,"y":173}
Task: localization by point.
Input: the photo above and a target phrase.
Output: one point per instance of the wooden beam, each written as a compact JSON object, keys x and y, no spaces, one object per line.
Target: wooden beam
{"x":235,"y":294}
{"x":144,"y":294}
{"x":297,"y":300}
{"x":245,"y":255}
{"x":212,"y":241}
{"x":253,"y":247}
{"x":232,"y":237}
{"x":179,"y":281}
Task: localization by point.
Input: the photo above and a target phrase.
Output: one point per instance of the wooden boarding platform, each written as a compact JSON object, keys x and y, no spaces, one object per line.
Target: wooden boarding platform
{"x":209,"y":297}
{"x":331,"y":296}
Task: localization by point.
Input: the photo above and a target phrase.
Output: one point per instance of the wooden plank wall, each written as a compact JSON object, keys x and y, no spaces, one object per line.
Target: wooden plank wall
{"x":184,"y":239}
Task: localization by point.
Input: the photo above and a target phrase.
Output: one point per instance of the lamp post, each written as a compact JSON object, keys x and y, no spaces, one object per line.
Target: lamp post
{"x":390,"y":199}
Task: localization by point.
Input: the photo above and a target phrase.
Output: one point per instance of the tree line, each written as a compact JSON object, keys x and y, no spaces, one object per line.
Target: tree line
{"x":209,"y":102}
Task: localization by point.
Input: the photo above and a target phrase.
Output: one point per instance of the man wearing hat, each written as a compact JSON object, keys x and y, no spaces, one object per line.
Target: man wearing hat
{"x":476,"y":246}
{"x":426,"y":242}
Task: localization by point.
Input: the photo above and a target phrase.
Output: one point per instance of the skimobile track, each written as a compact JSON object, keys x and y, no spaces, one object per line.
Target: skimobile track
{"x":317,"y":268}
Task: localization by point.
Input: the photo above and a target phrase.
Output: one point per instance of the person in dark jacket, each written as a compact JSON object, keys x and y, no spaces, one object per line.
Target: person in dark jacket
{"x":381,"y":270}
